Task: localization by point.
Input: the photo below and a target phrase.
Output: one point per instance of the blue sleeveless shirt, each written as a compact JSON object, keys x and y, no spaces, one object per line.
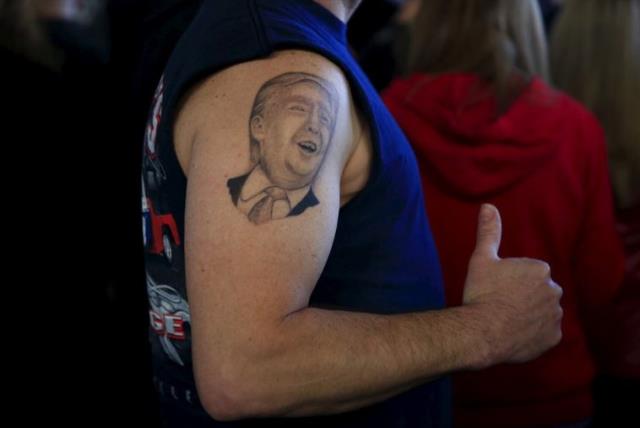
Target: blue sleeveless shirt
{"x":383,"y":258}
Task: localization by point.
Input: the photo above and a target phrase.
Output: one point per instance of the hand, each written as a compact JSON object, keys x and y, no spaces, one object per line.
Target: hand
{"x":517,"y":302}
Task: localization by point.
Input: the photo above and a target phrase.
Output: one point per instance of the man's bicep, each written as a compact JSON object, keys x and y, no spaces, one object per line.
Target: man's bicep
{"x":263,"y":196}
{"x":232,"y":261}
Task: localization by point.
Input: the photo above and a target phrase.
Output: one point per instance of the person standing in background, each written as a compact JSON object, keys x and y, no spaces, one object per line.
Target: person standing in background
{"x":486,"y":126}
{"x":595,"y":57}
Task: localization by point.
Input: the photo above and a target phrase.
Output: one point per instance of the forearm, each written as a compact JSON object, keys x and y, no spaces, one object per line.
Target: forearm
{"x":322,"y":362}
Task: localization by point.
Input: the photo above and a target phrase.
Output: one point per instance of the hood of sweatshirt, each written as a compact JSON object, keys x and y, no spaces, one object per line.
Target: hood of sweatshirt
{"x":460,"y":139}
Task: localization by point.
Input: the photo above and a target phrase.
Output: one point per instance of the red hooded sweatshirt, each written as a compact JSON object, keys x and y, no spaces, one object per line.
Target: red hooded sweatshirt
{"x":543,"y":164}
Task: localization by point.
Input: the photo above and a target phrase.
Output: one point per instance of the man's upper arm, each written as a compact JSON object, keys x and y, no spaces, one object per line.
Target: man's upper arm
{"x":266,"y":144}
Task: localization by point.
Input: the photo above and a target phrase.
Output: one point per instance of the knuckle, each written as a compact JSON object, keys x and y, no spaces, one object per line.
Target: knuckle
{"x":558,"y":290}
{"x":555,"y":289}
{"x":537,"y":267}
{"x":543,"y":269}
{"x":546,"y":269}
{"x":559,"y":314}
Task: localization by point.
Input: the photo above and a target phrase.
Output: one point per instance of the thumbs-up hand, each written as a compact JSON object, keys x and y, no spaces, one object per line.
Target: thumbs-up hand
{"x":517,"y":303}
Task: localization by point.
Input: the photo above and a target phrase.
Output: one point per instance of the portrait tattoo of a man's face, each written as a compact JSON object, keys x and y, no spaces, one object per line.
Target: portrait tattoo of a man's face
{"x":290,"y":128}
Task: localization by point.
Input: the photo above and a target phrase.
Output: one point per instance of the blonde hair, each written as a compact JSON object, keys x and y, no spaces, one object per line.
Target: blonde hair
{"x":595,"y":57}
{"x":524,"y":26}
{"x":490,"y":38}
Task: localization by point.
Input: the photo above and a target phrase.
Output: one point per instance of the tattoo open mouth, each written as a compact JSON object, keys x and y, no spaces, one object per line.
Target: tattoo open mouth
{"x":308,"y":147}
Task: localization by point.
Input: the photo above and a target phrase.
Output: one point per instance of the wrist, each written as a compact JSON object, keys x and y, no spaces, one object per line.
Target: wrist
{"x":477,"y":336}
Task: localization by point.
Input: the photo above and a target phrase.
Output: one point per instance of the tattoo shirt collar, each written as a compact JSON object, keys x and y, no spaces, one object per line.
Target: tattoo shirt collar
{"x":257,"y":182}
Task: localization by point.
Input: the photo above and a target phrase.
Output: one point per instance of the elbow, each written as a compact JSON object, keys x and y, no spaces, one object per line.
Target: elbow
{"x":225,"y":400}
{"x":242,"y":379}
{"x":233,"y":396}
{"x":223,"y":408}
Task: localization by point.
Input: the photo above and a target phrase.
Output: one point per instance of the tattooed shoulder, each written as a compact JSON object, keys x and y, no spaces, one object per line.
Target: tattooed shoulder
{"x":291,"y":125}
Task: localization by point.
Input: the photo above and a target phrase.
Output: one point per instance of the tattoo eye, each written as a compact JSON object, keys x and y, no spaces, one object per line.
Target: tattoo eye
{"x":297,"y":107}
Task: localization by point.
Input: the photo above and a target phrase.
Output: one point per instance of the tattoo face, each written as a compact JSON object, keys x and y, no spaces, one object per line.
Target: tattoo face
{"x":291,"y":127}
{"x":294,"y":133}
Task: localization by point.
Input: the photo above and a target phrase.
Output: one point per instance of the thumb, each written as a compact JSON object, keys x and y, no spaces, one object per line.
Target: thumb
{"x":489,"y":232}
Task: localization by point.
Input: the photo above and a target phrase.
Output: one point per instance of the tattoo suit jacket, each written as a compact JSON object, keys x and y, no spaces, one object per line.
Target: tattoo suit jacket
{"x":235,"y":187}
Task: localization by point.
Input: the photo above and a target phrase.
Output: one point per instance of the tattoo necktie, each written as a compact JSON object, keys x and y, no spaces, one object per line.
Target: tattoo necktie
{"x":263,"y":211}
